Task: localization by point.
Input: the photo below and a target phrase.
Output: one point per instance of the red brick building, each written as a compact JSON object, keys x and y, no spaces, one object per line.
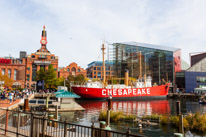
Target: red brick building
{"x":41,"y":58}
{"x":14,"y":69}
{"x":72,"y":69}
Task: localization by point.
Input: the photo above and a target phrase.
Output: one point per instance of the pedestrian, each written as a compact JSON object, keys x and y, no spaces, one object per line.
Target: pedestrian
{"x":10,"y":97}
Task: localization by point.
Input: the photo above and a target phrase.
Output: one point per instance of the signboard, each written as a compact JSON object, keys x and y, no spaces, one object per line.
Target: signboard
{"x":5,"y":61}
{"x":42,"y":62}
{"x":40,"y":85}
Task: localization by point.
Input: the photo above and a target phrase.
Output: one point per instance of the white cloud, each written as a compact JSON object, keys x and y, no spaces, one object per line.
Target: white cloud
{"x":77,"y":28}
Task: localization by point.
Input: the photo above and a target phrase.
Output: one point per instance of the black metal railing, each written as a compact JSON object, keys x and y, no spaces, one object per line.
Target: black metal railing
{"x":27,"y":124}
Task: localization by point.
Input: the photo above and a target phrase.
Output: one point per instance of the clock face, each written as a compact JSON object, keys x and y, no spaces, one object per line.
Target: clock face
{"x":43,"y":41}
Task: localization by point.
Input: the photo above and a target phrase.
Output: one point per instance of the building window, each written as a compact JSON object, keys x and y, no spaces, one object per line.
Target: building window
{"x":201,"y":79}
{"x":94,"y":68}
{"x":98,"y":68}
{"x":94,"y":76}
{"x":74,"y":69}
{"x":99,"y":74}
{"x":9,"y":73}
{"x":52,"y":57}
{"x":68,"y":70}
{"x":107,"y":73}
{"x":33,"y":56}
{"x":95,"y":72}
{"x":78,"y":70}
{"x":3,"y":71}
{"x":15,"y":73}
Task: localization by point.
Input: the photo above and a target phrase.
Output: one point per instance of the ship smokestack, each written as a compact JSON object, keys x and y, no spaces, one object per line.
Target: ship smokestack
{"x":126,"y":78}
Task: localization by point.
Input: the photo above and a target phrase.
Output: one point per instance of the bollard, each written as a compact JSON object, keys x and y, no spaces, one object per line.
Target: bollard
{"x":102,"y":124}
{"x":56,"y":112}
{"x":178,"y":109}
{"x":50,"y":117}
{"x":108,"y":110}
{"x":26,"y":104}
{"x":181,"y":126}
{"x":110,"y":103}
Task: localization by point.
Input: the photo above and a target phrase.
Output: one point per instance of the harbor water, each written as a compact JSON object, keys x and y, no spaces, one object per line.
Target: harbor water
{"x":138,"y":108}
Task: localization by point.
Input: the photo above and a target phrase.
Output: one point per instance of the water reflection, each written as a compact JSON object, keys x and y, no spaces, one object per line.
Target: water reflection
{"x":93,"y":108}
{"x":130,"y":107}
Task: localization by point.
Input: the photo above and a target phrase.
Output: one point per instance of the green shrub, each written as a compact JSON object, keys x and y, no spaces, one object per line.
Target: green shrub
{"x":164,"y":120}
{"x":174,"y":120}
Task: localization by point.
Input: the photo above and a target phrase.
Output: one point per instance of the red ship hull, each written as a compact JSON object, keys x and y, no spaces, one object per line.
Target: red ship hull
{"x":101,"y":93}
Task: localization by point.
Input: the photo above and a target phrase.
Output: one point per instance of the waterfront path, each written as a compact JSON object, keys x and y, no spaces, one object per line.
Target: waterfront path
{"x":6,"y":104}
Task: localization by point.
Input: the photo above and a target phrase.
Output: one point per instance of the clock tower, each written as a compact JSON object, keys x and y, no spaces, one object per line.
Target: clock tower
{"x":43,"y":40}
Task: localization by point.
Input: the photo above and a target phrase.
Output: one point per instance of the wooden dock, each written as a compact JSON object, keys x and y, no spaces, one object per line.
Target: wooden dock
{"x":184,"y":96}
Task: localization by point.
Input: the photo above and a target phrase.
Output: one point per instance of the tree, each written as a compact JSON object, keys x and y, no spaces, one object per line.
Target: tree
{"x":50,"y":79}
{"x":41,"y":74}
{"x":79,"y":79}
{"x":7,"y":81}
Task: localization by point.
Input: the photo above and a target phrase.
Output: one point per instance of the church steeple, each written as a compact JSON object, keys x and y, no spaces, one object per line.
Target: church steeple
{"x":43,"y":40}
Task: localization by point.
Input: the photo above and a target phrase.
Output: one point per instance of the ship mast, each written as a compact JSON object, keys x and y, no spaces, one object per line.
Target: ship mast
{"x":140,"y":65}
{"x":104,"y":75}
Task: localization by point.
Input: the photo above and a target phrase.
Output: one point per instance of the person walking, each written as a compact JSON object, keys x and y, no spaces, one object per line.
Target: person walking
{"x":10,"y":97}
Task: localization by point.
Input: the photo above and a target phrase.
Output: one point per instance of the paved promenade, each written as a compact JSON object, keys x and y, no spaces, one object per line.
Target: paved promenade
{"x":5,"y":103}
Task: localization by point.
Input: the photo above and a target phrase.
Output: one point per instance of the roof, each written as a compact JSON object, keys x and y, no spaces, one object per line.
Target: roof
{"x":67,"y":94}
{"x":101,"y":62}
{"x":152,"y":46}
{"x":59,"y":91}
{"x":198,"y":67}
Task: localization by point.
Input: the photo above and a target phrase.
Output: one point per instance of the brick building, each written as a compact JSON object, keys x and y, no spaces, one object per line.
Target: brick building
{"x":95,"y":69}
{"x":72,"y":69}
{"x":41,"y":58}
{"x":14,"y":68}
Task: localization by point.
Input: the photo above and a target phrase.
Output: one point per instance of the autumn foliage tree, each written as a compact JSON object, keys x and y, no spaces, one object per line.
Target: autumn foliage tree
{"x":7,"y":81}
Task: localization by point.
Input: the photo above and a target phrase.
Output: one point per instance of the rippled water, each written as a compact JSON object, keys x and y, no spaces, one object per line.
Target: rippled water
{"x":139,"y":108}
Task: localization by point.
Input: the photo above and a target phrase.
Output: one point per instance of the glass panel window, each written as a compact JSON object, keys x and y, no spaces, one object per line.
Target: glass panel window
{"x":98,"y":68}
{"x":3,"y":71}
{"x":201,"y":79}
{"x":68,"y":70}
{"x":15,"y":73}
{"x":78,"y":70}
{"x":9,"y":73}
{"x":99,"y":74}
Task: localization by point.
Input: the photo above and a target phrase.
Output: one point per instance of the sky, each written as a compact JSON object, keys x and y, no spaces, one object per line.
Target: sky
{"x":76,"y":29}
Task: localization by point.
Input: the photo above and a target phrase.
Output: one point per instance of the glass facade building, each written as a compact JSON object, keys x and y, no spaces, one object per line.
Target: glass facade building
{"x":141,"y":60}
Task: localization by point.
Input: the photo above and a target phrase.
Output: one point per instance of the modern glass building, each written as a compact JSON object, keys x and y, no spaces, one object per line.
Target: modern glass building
{"x":142,"y":59}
